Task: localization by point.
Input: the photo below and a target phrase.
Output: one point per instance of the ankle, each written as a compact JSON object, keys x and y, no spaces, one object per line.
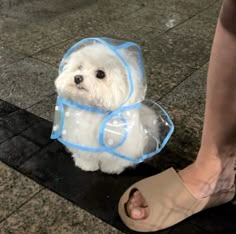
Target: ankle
{"x":204,"y":178}
{"x":216,"y":161}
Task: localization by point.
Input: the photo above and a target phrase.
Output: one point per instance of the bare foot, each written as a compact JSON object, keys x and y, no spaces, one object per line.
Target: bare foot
{"x":201,"y":180}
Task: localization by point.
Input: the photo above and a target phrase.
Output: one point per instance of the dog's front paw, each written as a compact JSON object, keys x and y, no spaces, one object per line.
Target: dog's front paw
{"x":86,"y":165}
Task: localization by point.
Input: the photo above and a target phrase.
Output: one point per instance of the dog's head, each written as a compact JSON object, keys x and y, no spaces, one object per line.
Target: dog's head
{"x":94,"y":75}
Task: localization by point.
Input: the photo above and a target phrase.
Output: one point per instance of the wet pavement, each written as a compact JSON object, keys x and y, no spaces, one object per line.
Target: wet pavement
{"x":40,"y":189}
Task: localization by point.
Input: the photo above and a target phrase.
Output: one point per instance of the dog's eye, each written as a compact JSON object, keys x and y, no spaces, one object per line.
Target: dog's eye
{"x":80,"y":67}
{"x":100,"y":74}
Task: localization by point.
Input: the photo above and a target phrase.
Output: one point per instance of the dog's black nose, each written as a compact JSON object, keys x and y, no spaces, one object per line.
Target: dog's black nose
{"x":78,"y":79}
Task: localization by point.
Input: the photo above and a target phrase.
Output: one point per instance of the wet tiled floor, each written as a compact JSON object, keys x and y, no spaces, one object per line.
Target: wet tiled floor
{"x":41,"y":191}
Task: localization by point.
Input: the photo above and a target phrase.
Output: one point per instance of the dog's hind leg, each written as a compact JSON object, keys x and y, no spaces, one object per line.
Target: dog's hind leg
{"x":87,"y":163}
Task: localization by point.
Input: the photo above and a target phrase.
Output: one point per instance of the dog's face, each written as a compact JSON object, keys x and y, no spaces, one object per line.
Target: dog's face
{"x":94,"y":75}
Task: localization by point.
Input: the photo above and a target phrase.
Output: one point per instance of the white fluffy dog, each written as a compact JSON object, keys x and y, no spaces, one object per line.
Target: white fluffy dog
{"x":94,"y":76}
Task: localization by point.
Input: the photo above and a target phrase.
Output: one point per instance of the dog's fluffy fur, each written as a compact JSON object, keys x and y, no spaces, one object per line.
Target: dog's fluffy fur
{"x":108,"y":93}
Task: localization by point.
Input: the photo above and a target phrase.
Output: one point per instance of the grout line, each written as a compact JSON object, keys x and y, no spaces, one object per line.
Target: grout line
{"x":177,"y":25}
{"x":52,"y":46}
{"x":200,"y":10}
{"x":30,"y":198}
{"x":43,"y":61}
{"x":9,"y":64}
{"x":171,"y":90}
{"x":44,"y":99}
{"x":204,"y":9}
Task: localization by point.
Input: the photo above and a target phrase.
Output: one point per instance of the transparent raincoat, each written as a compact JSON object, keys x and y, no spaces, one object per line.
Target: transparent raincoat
{"x":115,"y":128}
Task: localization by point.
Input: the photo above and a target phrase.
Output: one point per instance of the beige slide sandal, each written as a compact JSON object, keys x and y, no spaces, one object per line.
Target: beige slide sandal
{"x":169,"y":202}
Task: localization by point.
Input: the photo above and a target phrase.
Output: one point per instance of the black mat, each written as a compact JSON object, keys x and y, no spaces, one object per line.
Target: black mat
{"x":26,"y":146}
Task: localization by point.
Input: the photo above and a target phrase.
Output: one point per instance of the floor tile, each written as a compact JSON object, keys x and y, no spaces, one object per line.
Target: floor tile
{"x":55,"y":54}
{"x":8,"y":56}
{"x":39,"y":133}
{"x":29,"y":38}
{"x":7,"y":173}
{"x":161,"y":20}
{"x":54,"y":168}
{"x":201,"y":26}
{"x":44,"y":10}
{"x":18,"y":121}
{"x":217,"y":220}
{"x":45,"y":108}
{"x":27,"y":82}
{"x":16,"y":150}
{"x":86,"y":21}
{"x":49,"y":213}
{"x":190,"y":95}
{"x":116,"y":30}
{"x":115,"y":10}
{"x":163,"y":76}
{"x":189,"y":7}
{"x":186,"y":227}
{"x":16,"y":190}
{"x":5,"y":134}
{"x":184,"y":144}
{"x":181,"y":49}
{"x":214,"y":10}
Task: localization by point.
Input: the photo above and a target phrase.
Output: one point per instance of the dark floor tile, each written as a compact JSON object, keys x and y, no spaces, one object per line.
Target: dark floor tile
{"x":5,"y":134}
{"x":39,"y":133}
{"x":16,"y":151}
{"x":219,"y":220}
{"x":6,"y":108}
{"x":18,"y":121}
{"x":96,"y":192}
{"x":188,"y":228}
{"x":119,"y":224}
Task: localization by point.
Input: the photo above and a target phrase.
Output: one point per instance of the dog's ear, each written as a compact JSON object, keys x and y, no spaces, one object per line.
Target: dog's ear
{"x":64,"y":65}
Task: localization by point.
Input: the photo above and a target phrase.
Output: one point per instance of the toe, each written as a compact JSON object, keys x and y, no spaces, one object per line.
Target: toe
{"x":138,"y":213}
{"x":135,"y":199}
{"x":136,"y":207}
